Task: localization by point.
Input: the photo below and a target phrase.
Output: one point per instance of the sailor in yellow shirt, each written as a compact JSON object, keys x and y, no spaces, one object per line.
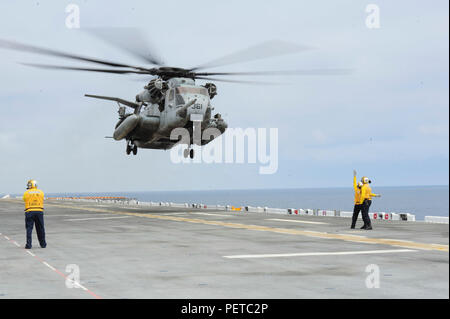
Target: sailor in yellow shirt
{"x":358,"y":207}
{"x":366,"y":201}
{"x":34,"y":213}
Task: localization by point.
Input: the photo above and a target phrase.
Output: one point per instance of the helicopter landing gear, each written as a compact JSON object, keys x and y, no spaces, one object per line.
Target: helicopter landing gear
{"x":131,"y":148}
{"x":188,"y":152}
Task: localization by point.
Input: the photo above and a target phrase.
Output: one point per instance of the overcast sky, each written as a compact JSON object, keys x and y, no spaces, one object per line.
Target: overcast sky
{"x":388,"y":120}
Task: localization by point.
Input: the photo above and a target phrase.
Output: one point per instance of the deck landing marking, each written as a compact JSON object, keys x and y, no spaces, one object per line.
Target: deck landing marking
{"x":323,"y":235}
{"x":363,"y":252}
{"x":56,"y":270}
{"x":296,"y":221}
{"x":49,"y":266}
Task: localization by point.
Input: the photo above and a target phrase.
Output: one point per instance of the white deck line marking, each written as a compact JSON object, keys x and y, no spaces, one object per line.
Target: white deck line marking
{"x":81,"y":286}
{"x":324,"y":253}
{"x":49,"y":266}
{"x":296,"y":221}
{"x":6,"y":237}
{"x":78,"y":219}
{"x":15,"y":243}
{"x":30,"y":253}
{"x":77,"y":284}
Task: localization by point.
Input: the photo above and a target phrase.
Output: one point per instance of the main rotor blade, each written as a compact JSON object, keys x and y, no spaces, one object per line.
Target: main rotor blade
{"x":38,"y":50}
{"x":58,"y":67}
{"x":286,"y":72}
{"x":132,"y":40}
{"x":237,"y":81}
{"x":260,"y":51}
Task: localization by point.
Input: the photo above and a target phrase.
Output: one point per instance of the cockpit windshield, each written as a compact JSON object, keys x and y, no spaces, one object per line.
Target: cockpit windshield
{"x":192,"y":90}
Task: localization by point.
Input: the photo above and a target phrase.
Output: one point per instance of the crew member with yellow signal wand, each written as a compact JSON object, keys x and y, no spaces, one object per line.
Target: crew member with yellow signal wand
{"x":34,"y":213}
{"x":366,"y":201}
{"x":358,"y":207}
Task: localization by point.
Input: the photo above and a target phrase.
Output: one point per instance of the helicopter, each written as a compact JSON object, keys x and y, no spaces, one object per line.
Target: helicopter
{"x":172,"y":98}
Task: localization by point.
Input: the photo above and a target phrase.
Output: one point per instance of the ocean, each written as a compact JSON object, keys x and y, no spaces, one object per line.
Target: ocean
{"x":418,"y":200}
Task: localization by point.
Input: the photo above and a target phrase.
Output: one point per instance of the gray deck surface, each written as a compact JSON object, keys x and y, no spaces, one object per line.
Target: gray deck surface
{"x":162,"y":252}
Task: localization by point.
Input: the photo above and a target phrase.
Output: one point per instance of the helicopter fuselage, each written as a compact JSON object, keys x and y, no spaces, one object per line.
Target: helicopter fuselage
{"x":181,"y":102}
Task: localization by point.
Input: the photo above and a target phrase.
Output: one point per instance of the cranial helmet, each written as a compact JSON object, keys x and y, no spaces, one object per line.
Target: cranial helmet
{"x":31,"y":184}
{"x":365,"y":180}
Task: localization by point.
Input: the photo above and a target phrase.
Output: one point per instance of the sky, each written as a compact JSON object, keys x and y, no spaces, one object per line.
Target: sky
{"x":388,"y":119}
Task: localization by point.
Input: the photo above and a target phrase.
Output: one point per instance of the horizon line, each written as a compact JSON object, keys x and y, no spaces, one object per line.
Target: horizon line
{"x":232,"y":189}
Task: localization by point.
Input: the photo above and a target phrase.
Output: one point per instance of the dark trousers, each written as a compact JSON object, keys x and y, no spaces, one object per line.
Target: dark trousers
{"x":356,"y":210}
{"x":35,"y":218}
{"x":365,"y":212}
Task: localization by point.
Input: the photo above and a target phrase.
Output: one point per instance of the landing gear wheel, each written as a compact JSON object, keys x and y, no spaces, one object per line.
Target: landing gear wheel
{"x":135,"y":149}
{"x":186,"y":153}
{"x":191,"y":153}
{"x":128,"y":149}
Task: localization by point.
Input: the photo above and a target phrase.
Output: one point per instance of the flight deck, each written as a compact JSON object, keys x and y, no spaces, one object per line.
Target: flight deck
{"x":132,"y":251}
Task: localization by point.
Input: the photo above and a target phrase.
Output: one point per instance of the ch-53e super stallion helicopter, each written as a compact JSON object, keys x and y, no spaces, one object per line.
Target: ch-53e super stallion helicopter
{"x":172,"y":98}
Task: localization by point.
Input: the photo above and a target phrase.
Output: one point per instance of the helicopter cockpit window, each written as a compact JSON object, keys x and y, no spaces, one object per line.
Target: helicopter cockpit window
{"x":179,"y":100}
{"x":171,"y":95}
{"x":192,"y":90}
